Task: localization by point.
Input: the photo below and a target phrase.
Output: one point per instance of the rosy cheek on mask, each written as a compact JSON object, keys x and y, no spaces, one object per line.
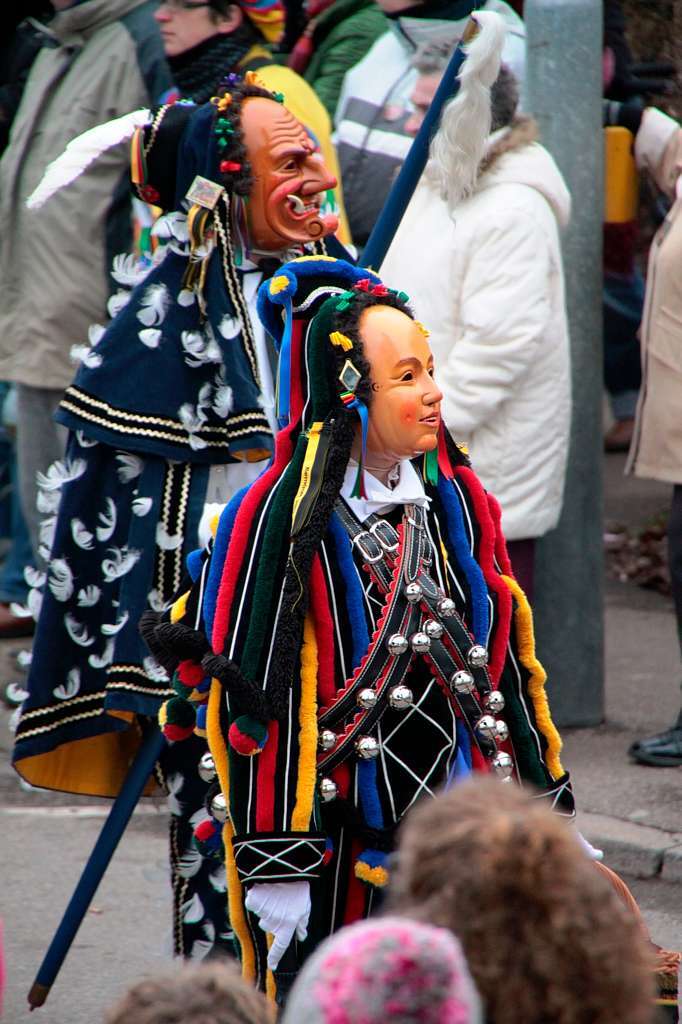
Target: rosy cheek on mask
{"x":408,"y":413}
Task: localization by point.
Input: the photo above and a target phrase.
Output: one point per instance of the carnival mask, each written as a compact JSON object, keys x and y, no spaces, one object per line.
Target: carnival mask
{"x":290,"y":180}
{"x":404,"y":414}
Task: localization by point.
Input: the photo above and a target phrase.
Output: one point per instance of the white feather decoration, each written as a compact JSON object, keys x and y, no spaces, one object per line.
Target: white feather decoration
{"x":82,"y":537}
{"x":223,"y":401}
{"x":71,"y":687}
{"x":85,"y":441}
{"x":60,"y":579}
{"x":34,"y":577}
{"x":103,"y":659}
{"x":185,"y":297}
{"x":118,"y":301}
{"x":150,"y":336}
{"x":95,"y":334}
{"x":46,"y":531}
{"x":155,"y":601}
{"x":112,"y":628}
{"x":172,"y":225}
{"x":153,"y":305}
{"x":193,"y":910}
{"x":121,"y":562}
{"x":47,"y":502}
{"x":82,"y":151}
{"x":130,"y":466}
{"x":126,"y":269}
{"x":60,"y":473}
{"x":156,"y":672}
{"x":84,"y":354}
{"x":458,"y":146}
{"x":141,"y":506}
{"x":88,"y":596}
{"x":77,"y":631}
{"x":108,"y":522}
{"x":229,"y":327}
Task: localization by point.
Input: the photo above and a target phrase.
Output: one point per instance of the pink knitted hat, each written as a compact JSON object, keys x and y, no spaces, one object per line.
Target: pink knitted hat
{"x":387,"y":969}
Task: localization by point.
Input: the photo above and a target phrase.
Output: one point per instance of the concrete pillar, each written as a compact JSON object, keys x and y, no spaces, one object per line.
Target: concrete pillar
{"x":563,"y":91}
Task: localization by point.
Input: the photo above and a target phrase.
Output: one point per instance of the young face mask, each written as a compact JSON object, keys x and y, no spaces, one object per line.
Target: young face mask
{"x":404,"y":414}
{"x":290,"y":180}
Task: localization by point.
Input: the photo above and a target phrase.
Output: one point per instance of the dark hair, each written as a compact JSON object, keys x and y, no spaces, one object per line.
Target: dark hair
{"x":544,"y":932}
{"x":234,"y":150}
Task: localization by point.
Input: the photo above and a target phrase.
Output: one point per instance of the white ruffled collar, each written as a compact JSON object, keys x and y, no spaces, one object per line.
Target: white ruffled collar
{"x":409,"y":490}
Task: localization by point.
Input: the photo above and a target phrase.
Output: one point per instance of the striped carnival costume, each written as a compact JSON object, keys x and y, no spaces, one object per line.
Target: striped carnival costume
{"x":347,"y":646}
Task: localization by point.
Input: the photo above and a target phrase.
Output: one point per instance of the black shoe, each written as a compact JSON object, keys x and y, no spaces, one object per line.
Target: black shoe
{"x":664,"y":750}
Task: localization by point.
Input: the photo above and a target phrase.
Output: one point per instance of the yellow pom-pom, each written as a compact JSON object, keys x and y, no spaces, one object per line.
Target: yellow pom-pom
{"x":279,"y":283}
{"x":373,"y":876}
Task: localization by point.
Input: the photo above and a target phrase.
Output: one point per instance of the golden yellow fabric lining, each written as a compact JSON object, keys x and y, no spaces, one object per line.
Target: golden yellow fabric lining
{"x":234,"y":886}
{"x":523,"y":621}
{"x":307,"y":736}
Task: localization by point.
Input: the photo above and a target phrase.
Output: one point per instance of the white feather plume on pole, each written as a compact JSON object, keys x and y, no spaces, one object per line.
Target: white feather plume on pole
{"x":82,"y":151}
{"x":458,"y":146}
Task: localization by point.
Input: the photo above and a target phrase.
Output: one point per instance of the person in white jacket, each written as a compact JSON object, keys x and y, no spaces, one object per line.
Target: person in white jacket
{"x":487,"y":276}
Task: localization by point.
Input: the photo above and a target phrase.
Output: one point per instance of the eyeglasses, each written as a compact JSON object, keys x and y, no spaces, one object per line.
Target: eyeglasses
{"x":184,"y":5}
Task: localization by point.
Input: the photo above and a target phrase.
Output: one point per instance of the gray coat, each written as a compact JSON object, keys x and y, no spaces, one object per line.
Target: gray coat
{"x":107,"y":60}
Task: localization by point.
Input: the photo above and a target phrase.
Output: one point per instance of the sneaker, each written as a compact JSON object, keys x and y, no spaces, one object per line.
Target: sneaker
{"x":664,"y":750}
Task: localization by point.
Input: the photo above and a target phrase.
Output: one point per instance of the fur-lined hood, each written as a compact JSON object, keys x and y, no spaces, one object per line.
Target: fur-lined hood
{"x":514,"y":156}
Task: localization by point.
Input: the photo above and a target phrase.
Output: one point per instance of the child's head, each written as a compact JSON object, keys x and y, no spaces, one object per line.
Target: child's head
{"x":387,"y":969}
{"x":545,"y":936}
{"x":211,"y":993}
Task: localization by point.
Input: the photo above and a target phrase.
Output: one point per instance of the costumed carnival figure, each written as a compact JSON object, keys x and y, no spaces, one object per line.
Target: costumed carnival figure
{"x":354,"y":637}
{"x":174,"y":396}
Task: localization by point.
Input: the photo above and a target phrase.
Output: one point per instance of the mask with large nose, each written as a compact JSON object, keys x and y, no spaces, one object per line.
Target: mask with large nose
{"x":290,"y":181}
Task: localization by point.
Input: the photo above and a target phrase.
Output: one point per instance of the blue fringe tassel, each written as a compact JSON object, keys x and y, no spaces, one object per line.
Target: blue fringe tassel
{"x":354,"y":594}
{"x":480,"y":618}
{"x":220,"y":545}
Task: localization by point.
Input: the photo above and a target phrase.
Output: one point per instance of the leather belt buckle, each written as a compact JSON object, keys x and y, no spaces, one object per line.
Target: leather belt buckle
{"x":387,"y":536}
{"x":369,"y":547}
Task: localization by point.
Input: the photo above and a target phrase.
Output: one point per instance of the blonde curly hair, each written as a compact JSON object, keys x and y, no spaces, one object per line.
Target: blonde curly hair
{"x":545,"y":935}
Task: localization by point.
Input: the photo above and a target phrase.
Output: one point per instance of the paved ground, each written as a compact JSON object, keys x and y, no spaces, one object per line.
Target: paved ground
{"x":634,"y":813}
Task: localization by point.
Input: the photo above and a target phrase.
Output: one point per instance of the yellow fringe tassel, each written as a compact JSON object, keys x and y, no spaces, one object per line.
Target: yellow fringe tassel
{"x":523,"y":620}
{"x":307,"y":734}
{"x":234,"y":886}
{"x":179,"y":608}
{"x":308,"y":461}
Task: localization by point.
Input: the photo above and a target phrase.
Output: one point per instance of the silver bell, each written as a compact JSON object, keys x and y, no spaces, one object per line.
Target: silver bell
{"x":206,"y":767}
{"x":400,"y":697}
{"x":433,"y":629}
{"x":501,"y":730}
{"x":367,"y":698}
{"x":487,"y":726}
{"x":494,"y":702}
{"x":327,"y":739}
{"x":413,"y":592}
{"x":477,"y":656}
{"x":218,"y":808}
{"x":446,"y":607}
{"x":503,"y":765}
{"x":328,"y":790}
{"x":462,"y":682}
{"x":397,"y":643}
{"x":367,"y":747}
{"x":421,"y":642}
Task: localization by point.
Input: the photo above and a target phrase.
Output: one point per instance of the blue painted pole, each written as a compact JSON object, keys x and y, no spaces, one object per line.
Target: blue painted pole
{"x":103,"y":850}
{"x":398,"y":198}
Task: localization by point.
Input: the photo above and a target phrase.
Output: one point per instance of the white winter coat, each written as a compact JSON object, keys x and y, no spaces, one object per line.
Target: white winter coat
{"x":489,"y":286}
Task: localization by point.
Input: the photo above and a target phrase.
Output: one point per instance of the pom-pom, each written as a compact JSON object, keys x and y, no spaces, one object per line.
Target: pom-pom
{"x":370,"y":867}
{"x":208,"y":838}
{"x":247,"y":735}
{"x":281,"y":286}
{"x":190,"y":673}
{"x":177,"y":718}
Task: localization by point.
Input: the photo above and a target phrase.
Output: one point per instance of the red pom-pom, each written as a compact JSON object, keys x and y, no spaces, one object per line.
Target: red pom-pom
{"x":177,"y":732}
{"x":247,"y":736}
{"x":205,"y":830}
{"x":190,"y":673}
